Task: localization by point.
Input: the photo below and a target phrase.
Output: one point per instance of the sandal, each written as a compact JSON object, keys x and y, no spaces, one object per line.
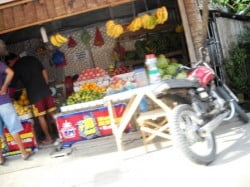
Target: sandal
{"x":3,"y":161}
{"x":28,"y":155}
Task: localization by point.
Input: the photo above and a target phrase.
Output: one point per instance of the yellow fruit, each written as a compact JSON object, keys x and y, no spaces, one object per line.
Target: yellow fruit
{"x":20,"y":102}
{"x":109,"y":24}
{"x":179,"y":29}
{"x":61,"y":39}
{"x":161,"y":15}
{"x":23,"y":97}
{"x":145,"y":20}
{"x":54,"y":42}
{"x":152,"y":22}
{"x":135,"y":25}
{"x":118,"y":30}
{"x":26,"y":102}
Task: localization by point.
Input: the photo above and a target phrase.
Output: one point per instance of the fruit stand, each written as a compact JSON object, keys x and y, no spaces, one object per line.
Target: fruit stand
{"x":103,"y":69}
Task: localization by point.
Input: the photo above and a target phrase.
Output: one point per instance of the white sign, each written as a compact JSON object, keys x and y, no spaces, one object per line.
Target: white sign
{"x":81,"y":56}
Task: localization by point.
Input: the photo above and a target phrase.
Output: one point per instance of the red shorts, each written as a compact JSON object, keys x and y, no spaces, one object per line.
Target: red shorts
{"x":44,"y":106}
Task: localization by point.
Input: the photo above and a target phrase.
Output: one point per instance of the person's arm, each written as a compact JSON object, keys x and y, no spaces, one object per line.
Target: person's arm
{"x":45,"y":76}
{"x":9,"y":76}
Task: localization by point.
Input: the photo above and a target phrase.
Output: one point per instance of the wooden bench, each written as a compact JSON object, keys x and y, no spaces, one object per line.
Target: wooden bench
{"x":153,"y":123}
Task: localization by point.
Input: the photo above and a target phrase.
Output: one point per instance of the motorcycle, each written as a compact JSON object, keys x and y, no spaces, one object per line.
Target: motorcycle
{"x":192,"y":125}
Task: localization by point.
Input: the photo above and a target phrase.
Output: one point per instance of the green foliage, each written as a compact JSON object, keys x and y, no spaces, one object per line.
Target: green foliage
{"x":234,"y":6}
{"x":236,"y":69}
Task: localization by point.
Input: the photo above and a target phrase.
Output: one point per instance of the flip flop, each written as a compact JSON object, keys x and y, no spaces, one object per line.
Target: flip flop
{"x":3,"y":161}
{"x":28,"y":155}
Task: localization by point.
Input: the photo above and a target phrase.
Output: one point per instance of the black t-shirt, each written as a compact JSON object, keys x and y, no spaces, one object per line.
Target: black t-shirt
{"x":28,"y":70}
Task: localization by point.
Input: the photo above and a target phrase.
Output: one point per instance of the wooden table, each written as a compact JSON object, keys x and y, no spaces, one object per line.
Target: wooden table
{"x":134,"y":98}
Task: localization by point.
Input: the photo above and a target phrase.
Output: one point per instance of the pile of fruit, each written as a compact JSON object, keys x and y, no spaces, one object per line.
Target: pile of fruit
{"x":93,"y":73}
{"x":169,"y":68}
{"x":22,"y":104}
{"x":23,"y":99}
{"x":113,"y":29}
{"x":83,"y":96}
{"x":120,"y":70}
{"x":58,"y":40}
{"x":118,"y":85}
{"x":21,"y":110}
{"x":92,"y":86}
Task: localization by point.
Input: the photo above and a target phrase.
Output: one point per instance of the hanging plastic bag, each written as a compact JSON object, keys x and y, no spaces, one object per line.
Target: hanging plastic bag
{"x":71,"y":43}
{"x":85,"y":37}
{"x":98,"y":38}
{"x":58,"y":58}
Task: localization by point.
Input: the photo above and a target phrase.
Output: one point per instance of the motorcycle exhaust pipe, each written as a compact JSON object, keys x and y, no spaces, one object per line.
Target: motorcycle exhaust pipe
{"x":212,"y":125}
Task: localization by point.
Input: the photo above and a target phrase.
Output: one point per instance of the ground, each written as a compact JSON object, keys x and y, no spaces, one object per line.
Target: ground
{"x":96,"y":163}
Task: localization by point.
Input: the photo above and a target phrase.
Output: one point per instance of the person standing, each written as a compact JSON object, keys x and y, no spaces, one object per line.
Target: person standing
{"x":8,"y":116}
{"x":34,"y":77}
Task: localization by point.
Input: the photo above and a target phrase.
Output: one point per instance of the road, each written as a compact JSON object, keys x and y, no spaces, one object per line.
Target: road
{"x":97,"y":164}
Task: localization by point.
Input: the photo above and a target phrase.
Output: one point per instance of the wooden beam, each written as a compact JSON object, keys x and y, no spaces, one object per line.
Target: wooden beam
{"x":11,"y":4}
{"x":53,"y":18}
{"x":187,"y":31}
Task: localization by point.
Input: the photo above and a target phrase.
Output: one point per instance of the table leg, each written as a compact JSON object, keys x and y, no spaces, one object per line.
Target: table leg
{"x":126,"y":117}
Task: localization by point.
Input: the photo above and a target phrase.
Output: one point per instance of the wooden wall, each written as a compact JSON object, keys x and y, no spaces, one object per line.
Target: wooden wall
{"x":229,"y":31}
{"x":40,"y":11}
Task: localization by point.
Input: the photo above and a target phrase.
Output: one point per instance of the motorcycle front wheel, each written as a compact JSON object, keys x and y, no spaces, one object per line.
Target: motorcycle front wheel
{"x":184,"y":127}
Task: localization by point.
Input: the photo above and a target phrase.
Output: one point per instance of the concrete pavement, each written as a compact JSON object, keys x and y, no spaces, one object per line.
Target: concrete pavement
{"x":97,"y":164}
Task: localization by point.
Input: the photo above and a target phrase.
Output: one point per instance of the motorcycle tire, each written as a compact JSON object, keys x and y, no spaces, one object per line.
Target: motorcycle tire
{"x":242,"y":114}
{"x":182,"y":140}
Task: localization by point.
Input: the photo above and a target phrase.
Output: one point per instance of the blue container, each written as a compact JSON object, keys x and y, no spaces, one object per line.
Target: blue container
{"x":143,"y":105}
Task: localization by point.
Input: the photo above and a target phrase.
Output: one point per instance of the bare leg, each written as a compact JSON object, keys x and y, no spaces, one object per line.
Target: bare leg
{"x":1,"y":151}
{"x":18,"y":140}
{"x":44,"y":127}
{"x":52,"y":116}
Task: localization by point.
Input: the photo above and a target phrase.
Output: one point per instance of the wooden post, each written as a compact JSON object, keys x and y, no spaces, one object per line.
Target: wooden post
{"x":195,"y":23}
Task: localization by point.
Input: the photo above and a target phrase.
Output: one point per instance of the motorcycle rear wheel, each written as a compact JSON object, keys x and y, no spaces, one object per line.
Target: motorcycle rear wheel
{"x":182,"y":119}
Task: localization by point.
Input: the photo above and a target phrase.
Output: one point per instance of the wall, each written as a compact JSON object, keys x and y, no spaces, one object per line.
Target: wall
{"x":229,"y":30}
{"x":75,"y":61}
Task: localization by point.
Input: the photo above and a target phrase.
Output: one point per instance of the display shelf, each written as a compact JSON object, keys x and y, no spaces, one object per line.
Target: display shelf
{"x":81,"y":106}
{"x":26,"y":116}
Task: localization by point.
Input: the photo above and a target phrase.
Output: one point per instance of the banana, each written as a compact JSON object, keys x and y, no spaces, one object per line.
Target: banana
{"x":118,"y":30}
{"x":110,"y":31}
{"x":145,"y":19}
{"x":54,"y":42}
{"x":61,"y":39}
{"x":109,"y":24}
{"x":161,"y":15}
{"x":113,"y":30}
{"x":135,"y":25}
{"x":152,"y":22}
{"x":179,"y":29}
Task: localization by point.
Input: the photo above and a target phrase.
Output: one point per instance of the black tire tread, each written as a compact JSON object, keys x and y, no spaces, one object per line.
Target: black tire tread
{"x":182,"y":144}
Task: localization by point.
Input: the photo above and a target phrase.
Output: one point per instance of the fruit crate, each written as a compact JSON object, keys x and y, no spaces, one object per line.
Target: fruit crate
{"x":100,"y":81}
{"x":127,"y":76}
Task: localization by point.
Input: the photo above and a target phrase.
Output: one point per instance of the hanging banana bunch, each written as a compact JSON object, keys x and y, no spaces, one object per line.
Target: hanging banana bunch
{"x":58,"y":39}
{"x":161,"y":15}
{"x":135,"y":25}
{"x":113,"y":29}
{"x":146,"y":21}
